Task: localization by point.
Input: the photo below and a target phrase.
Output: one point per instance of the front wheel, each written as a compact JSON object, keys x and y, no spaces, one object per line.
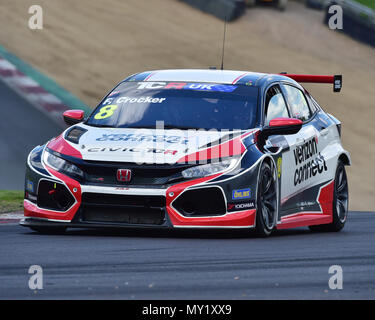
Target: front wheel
{"x":266,"y":215}
{"x":340,"y":202}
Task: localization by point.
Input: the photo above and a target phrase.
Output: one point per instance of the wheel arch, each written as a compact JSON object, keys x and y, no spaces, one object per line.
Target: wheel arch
{"x":269,"y":160}
{"x":345,"y":158}
{"x":272,"y":163}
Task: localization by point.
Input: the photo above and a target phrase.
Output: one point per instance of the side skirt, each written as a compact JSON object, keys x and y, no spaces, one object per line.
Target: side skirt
{"x":308,"y":218}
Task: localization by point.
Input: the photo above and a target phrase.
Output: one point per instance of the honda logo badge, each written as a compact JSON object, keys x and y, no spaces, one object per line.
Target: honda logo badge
{"x":124,"y":175}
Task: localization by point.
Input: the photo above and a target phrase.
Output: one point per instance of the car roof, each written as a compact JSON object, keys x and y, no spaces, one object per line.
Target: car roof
{"x":210,"y":76}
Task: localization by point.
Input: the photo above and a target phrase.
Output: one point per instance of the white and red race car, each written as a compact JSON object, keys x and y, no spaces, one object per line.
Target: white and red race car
{"x":194,"y":149}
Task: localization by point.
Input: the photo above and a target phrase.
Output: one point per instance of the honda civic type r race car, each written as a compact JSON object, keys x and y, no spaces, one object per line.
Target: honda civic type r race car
{"x":194,"y":149}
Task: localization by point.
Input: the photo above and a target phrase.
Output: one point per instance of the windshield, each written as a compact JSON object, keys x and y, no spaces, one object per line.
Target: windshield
{"x":179,"y":105}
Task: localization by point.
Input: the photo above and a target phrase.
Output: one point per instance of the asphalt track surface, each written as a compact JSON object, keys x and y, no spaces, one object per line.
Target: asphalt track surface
{"x":22,"y":127}
{"x":159,"y":264}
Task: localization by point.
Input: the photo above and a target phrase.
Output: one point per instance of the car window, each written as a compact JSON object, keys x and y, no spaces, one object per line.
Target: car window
{"x":314,"y":105}
{"x":275,"y":106}
{"x":297,"y":102}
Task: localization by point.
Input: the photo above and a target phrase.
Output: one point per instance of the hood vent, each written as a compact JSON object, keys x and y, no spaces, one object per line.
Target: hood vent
{"x":74,"y":134}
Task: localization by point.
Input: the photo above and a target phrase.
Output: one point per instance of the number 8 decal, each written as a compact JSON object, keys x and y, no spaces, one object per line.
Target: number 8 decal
{"x":106,"y":112}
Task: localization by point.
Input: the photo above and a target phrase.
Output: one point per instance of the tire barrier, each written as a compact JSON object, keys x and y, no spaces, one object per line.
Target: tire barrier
{"x":358,"y":20}
{"x":223,"y":9}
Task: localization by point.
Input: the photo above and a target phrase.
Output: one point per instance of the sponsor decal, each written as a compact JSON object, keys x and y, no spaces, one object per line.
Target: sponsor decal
{"x":147,"y":150}
{"x":305,"y":204}
{"x":30,"y":186}
{"x":143,"y":138}
{"x":241,"y":206}
{"x":114,"y":93}
{"x":110,"y":101}
{"x":187,"y":86}
{"x":241,"y":194}
{"x":309,"y":161}
{"x":279,"y":165}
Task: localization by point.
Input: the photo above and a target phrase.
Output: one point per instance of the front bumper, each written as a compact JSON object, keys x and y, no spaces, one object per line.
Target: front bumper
{"x":165,"y":216}
{"x":141,"y":207}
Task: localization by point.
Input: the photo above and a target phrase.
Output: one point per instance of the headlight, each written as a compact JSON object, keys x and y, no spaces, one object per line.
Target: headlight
{"x":209,"y":169}
{"x":35,"y":158}
{"x":61,"y":165}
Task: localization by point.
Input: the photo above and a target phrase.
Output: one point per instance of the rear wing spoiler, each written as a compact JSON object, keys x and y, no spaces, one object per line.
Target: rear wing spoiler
{"x":336,"y":80}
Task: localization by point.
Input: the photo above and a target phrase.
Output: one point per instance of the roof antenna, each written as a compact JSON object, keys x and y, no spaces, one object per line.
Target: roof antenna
{"x":222,"y":54}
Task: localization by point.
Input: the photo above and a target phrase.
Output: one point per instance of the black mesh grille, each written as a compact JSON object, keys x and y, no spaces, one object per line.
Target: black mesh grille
{"x":123,"y":200}
{"x":54,"y":196}
{"x":201,"y":202}
{"x":123,"y":208}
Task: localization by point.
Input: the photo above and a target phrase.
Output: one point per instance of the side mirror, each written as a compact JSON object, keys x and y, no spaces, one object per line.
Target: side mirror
{"x":284,"y":126}
{"x":73,"y":116}
{"x":280,"y":126}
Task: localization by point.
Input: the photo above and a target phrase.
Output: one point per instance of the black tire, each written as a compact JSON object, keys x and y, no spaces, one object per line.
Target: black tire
{"x":49,"y":230}
{"x":340,"y":202}
{"x":266,"y":215}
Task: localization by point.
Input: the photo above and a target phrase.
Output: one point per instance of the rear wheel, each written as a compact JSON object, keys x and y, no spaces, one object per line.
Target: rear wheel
{"x":49,"y":230}
{"x":266,"y":215}
{"x":340,"y":202}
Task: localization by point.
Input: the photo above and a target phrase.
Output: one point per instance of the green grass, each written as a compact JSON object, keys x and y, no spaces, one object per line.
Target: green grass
{"x":11,"y":201}
{"x":368,"y":3}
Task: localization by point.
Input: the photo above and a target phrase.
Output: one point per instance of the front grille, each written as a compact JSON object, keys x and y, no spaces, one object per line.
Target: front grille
{"x":128,"y":209}
{"x":105,"y":173}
